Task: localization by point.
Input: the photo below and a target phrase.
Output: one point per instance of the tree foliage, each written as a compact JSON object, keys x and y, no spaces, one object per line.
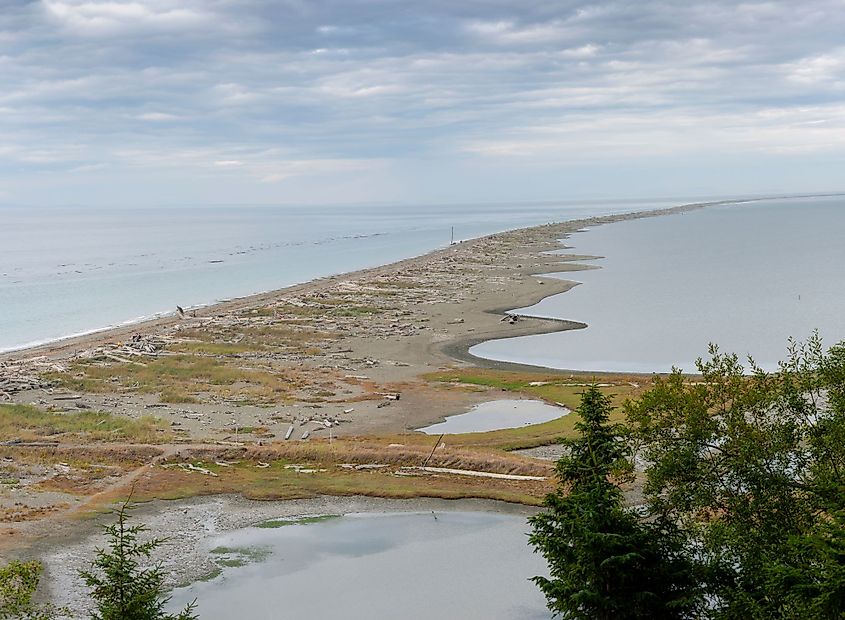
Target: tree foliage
{"x":750,"y":466}
{"x":603,"y":562}
{"x":18,"y":583}
{"x":121,"y":586}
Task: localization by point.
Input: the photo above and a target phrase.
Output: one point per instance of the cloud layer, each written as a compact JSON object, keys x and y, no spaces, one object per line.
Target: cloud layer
{"x":151,"y":101}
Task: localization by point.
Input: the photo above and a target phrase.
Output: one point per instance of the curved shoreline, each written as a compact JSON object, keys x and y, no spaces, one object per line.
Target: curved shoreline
{"x":185,"y":557}
{"x":63,"y":345}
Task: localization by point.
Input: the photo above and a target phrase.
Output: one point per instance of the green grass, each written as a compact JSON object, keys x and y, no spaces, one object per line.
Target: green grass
{"x":28,"y":423}
{"x":180,"y":379}
{"x":235,"y":557}
{"x":550,"y":388}
{"x":277,"y":523}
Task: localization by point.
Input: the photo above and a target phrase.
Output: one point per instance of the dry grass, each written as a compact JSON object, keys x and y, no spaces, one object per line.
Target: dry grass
{"x":400,"y":451}
{"x":280,"y":480}
{"x":30,"y":423}
{"x":182,"y":378}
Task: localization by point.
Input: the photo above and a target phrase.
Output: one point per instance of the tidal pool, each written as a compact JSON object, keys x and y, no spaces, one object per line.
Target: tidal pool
{"x":498,"y":414}
{"x":406,"y":565}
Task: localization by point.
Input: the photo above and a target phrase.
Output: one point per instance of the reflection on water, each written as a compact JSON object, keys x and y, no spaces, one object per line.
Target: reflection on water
{"x":498,"y":414}
{"x":420,"y":565}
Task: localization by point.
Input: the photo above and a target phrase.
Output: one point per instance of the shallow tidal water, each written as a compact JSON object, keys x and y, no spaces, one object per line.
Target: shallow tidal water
{"x":746,"y":277}
{"x":68,"y":271}
{"x":496,"y":415}
{"x":414,"y":566}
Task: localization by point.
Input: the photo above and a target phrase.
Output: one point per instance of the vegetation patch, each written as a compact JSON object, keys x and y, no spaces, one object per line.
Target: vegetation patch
{"x":182,"y":378}
{"x":277,"y":523}
{"x":29,"y":423}
{"x":235,"y":557}
{"x":552,"y":388}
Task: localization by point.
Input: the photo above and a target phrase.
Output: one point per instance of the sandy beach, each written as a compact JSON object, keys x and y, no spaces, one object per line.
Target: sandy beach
{"x":360,"y":355}
{"x":358,"y":358}
{"x":406,"y":319}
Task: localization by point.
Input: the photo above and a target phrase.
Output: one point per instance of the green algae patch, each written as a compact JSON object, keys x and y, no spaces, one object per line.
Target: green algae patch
{"x":277,"y":523}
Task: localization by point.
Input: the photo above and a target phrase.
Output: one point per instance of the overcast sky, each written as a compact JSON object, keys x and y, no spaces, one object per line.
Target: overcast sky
{"x":301,"y":101}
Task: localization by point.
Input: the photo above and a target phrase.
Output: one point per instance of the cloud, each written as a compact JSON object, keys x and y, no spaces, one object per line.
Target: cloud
{"x":113,"y":17}
{"x":270,"y":91}
{"x":157,"y":117}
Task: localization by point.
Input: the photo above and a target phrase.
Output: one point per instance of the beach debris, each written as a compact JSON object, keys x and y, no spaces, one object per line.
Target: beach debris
{"x":472,"y":473}
{"x":363,"y":466}
{"x":301,"y":469}
{"x":197,"y":469}
{"x":262,"y":465}
{"x":122,"y":360}
{"x":289,"y":433}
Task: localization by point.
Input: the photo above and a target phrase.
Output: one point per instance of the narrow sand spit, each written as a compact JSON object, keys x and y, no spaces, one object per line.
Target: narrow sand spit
{"x":353,"y":349}
{"x":349,"y":350}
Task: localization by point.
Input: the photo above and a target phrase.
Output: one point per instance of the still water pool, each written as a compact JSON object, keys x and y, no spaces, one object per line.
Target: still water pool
{"x":498,"y":414}
{"x":411,"y":565}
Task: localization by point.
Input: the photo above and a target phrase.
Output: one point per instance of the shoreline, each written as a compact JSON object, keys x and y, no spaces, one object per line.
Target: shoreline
{"x":185,"y":557}
{"x":68,"y":344}
{"x":350,"y":339}
{"x":426,"y":313}
{"x":63,"y":345}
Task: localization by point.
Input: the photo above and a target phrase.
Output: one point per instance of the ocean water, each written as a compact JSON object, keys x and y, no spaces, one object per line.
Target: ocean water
{"x":401,"y":566}
{"x":746,"y":277}
{"x":72,"y":270}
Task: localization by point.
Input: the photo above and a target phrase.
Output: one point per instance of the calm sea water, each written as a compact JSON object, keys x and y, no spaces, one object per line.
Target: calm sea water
{"x":746,"y":277}
{"x":72,"y":270}
{"x":405,"y":566}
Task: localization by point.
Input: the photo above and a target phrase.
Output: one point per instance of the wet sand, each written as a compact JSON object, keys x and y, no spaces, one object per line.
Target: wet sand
{"x":426,"y":313}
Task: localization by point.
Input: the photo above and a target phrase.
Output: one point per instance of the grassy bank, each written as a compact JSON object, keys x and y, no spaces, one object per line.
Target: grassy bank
{"x":28,"y":423}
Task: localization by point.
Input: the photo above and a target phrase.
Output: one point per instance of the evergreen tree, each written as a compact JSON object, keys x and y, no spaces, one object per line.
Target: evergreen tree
{"x":603,"y":562}
{"x":752,"y":468}
{"x":120,"y":586}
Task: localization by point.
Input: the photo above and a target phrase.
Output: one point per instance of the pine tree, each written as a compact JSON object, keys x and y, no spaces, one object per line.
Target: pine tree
{"x":603,"y":562}
{"x":121,"y":587}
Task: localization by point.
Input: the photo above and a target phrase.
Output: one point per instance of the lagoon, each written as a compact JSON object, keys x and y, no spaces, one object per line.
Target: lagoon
{"x":744,"y":276}
{"x":415,"y":566}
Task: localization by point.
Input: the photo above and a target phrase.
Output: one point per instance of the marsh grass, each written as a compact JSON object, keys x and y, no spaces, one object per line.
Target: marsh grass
{"x":277,"y":523}
{"x":31,"y":423}
{"x":278,"y":482}
{"x":181,"y":379}
{"x":551,"y":388}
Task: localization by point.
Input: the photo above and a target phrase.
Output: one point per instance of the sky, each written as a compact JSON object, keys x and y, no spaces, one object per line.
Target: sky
{"x":166,"y":102}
